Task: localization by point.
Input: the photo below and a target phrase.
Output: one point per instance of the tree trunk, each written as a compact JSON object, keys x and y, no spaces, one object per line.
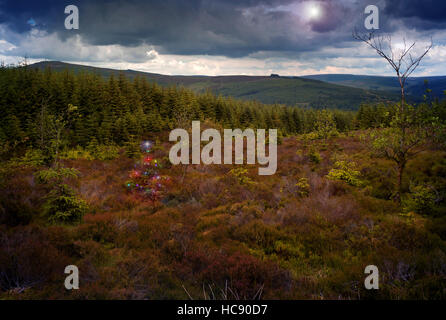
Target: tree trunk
{"x":403,"y":95}
{"x":402,"y":157}
{"x":401,"y":167}
{"x":403,"y":98}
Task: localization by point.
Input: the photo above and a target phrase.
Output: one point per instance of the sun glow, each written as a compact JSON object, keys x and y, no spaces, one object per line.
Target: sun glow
{"x":313,"y":11}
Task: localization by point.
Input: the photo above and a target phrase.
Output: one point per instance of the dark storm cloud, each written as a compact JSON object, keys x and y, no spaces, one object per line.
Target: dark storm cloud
{"x":46,"y":13}
{"x":221,"y":27}
{"x":430,"y":11}
{"x":417,"y":14}
{"x":232,"y":28}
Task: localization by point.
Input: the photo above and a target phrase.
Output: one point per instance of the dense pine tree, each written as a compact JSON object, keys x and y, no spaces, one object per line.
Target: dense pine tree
{"x":117,"y":109}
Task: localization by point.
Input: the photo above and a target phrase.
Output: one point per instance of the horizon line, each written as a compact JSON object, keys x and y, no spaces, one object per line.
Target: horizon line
{"x":230,"y":75}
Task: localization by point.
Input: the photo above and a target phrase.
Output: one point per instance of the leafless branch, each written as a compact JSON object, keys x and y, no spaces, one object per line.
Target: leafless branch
{"x":403,"y":62}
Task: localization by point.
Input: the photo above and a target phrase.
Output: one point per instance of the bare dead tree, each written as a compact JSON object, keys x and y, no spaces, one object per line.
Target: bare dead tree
{"x":399,"y":146}
{"x":402,"y":61}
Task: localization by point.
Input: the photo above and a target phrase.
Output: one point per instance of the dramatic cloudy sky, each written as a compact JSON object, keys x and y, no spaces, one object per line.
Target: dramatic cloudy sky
{"x":220,"y":37}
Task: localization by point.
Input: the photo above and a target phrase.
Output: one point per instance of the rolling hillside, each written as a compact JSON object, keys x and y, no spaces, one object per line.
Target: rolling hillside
{"x":416,"y":86}
{"x":284,"y":90}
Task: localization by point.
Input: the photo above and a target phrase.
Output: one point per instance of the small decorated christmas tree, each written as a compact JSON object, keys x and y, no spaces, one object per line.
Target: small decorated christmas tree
{"x":145,"y":180}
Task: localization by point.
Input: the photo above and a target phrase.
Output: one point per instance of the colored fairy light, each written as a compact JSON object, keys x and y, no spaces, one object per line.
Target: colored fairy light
{"x":146,"y":146}
{"x":145,"y":179}
{"x":135,"y":174}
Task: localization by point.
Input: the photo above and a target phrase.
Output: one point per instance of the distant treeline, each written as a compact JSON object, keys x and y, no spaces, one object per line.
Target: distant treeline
{"x":116,"y":110}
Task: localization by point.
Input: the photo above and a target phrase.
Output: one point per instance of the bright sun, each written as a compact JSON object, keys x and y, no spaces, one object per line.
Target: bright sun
{"x":314,"y":12}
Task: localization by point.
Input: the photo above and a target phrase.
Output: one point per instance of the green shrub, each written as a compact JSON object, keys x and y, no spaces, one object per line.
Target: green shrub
{"x":325,"y":125}
{"x":76,"y":154}
{"x":104,"y":152}
{"x":345,"y":171}
{"x":32,"y":158}
{"x":315,"y":156}
{"x":303,"y":187}
{"x":55,"y":176}
{"x":421,"y":200}
{"x":63,"y":206}
{"x":309,"y":136}
{"x":289,"y":250}
{"x":240,"y":174}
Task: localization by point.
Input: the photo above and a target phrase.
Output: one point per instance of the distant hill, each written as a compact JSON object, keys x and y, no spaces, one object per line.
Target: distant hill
{"x":301,"y":91}
{"x":416,"y":86}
